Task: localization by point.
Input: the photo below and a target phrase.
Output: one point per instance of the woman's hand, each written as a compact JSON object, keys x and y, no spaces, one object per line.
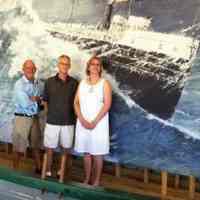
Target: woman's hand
{"x":86,"y":124}
{"x":93,"y":124}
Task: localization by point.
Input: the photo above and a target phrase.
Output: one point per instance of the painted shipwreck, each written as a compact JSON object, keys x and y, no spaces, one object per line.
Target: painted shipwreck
{"x":153,"y":80}
{"x":153,"y":77}
{"x":150,"y":67}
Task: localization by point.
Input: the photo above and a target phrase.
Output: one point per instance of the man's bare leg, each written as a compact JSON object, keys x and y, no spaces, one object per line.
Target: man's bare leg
{"x":49,"y":159}
{"x":61,"y":172}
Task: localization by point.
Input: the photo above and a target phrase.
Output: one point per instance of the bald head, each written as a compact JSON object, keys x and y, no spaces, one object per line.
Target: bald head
{"x":29,"y":64}
{"x":29,"y":69}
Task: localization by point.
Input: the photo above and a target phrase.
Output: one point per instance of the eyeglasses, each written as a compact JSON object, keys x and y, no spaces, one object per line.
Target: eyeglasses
{"x":63,"y":63}
{"x":95,"y":64}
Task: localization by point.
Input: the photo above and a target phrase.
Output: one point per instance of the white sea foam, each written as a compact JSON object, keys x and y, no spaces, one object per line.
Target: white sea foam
{"x":33,"y":41}
{"x":188,"y":134}
{"x":7,"y":4}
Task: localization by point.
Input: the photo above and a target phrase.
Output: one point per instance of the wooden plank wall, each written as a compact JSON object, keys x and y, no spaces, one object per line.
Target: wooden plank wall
{"x":138,"y":180}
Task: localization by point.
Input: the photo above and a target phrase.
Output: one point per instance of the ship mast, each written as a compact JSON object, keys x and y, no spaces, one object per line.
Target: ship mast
{"x":131,"y":7}
{"x":105,"y":24}
{"x":71,"y":10}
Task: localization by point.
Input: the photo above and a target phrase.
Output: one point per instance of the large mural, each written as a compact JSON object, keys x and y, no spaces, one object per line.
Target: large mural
{"x":150,"y":55}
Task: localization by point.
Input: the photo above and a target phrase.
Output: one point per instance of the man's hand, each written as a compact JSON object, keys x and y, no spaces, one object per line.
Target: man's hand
{"x":35,"y":98}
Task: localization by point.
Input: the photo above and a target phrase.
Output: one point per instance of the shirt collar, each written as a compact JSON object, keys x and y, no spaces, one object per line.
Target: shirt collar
{"x":28,"y":81}
{"x":58,"y":79}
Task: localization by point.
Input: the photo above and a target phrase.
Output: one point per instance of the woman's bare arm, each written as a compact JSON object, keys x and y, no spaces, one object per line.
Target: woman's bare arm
{"x":77,"y":109}
{"x":107,"y":103}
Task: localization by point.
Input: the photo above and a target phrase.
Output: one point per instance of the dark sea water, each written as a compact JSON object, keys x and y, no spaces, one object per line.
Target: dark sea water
{"x":187,"y":114}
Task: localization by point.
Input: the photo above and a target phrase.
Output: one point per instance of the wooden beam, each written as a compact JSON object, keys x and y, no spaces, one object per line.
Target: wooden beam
{"x":164,"y":175}
{"x":25,"y":155}
{"x":146,"y":176}
{"x":177,"y":181}
{"x":192,"y":186}
{"x":6,"y":145}
{"x":69,"y":166}
{"x":117,"y":170}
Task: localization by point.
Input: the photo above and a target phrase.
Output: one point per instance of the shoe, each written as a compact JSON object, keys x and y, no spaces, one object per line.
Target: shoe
{"x":38,"y":171}
{"x":48,"y":174}
{"x":58,"y":174}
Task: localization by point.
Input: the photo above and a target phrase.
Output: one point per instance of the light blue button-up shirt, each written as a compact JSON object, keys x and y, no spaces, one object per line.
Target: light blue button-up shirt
{"x":23,"y":90}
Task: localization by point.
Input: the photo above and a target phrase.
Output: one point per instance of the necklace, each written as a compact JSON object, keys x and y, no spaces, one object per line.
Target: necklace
{"x":91,"y":89}
{"x":92,"y":86}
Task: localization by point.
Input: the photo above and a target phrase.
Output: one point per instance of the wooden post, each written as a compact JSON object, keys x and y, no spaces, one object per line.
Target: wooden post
{"x":6,"y":145}
{"x":117,"y":170}
{"x":164,"y":184}
{"x":69,"y":165}
{"x":25,"y":155}
{"x":146,"y":176}
{"x":192,"y":184}
{"x":44,"y":166}
{"x":177,"y":181}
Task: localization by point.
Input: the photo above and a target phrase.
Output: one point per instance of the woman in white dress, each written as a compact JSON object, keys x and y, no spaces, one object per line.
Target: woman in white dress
{"x":92,"y":103}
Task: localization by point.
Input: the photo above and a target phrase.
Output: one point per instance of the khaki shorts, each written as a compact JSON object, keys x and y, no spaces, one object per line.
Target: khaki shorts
{"x":26,"y":132}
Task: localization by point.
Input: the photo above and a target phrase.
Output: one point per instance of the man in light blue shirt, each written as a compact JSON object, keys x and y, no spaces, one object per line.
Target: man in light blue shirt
{"x":24,"y":93}
{"x":26,"y":124}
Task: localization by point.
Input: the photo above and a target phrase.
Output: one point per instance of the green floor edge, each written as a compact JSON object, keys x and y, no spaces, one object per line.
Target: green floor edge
{"x":73,"y":190}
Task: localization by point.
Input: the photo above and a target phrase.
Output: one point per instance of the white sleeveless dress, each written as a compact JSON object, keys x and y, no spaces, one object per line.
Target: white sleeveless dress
{"x":95,"y":141}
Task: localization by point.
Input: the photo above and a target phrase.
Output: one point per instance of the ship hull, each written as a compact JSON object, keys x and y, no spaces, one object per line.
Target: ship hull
{"x":153,"y":80}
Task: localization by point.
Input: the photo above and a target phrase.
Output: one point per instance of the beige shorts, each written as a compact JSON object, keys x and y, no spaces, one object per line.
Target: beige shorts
{"x":26,"y":132}
{"x":55,"y":134}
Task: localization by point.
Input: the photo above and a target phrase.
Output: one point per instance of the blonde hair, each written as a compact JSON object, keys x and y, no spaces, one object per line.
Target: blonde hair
{"x":89,"y":63}
{"x":65,"y":56}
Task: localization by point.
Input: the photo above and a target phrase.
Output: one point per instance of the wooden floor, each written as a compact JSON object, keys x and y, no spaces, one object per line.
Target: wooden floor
{"x":138,"y":181}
